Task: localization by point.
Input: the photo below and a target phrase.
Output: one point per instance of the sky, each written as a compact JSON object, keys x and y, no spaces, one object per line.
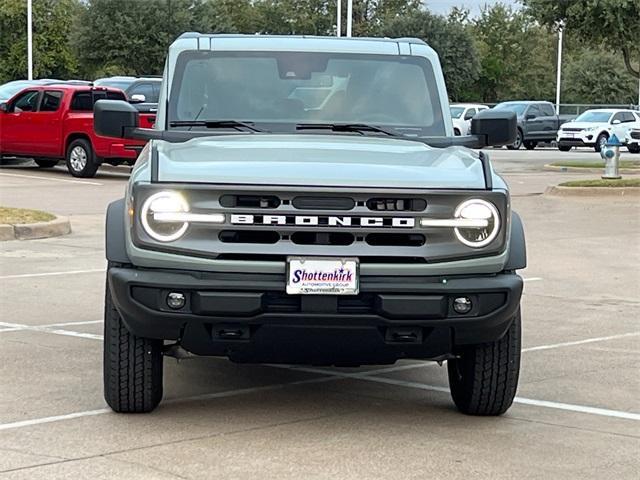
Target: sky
{"x":475,"y":6}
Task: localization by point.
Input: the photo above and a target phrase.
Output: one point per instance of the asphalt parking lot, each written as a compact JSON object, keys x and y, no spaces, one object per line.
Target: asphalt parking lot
{"x":577,"y":413}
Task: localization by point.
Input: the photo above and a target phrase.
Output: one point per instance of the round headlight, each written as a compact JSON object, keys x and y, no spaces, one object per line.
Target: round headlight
{"x":159,"y":205}
{"x":484,"y":212}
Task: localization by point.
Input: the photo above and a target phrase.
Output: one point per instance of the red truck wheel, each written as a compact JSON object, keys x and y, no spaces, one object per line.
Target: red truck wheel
{"x":81,"y":159}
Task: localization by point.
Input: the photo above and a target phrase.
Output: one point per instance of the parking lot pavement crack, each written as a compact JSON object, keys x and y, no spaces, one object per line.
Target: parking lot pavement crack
{"x":150,"y":467}
{"x":571,"y":427}
{"x":591,"y":301}
{"x":110,"y":454}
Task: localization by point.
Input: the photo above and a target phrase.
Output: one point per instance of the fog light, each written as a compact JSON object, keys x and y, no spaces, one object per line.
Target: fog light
{"x":176,"y":300}
{"x":462,"y":305}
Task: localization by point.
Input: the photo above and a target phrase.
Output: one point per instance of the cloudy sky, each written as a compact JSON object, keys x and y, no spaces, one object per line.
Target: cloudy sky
{"x":444,"y":6}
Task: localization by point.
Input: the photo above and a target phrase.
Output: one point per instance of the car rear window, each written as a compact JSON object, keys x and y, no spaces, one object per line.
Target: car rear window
{"x":83,"y":101}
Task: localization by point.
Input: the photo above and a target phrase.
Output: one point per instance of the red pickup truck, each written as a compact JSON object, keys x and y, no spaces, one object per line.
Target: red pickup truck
{"x":53,"y":122}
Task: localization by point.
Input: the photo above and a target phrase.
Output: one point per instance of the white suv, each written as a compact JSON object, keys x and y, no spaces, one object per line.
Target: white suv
{"x":461,"y":115}
{"x":594,"y":127}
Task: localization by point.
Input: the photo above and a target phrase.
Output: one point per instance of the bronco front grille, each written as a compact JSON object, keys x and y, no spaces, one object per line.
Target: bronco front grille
{"x":373,"y":225}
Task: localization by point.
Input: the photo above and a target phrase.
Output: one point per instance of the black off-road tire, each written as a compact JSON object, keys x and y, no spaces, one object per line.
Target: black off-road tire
{"x":530,"y":144}
{"x":45,"y":162}
{"x":633,"y":147}
{"x":483,"y":381}
{"x":598,"y":146}
{"x":132,"y":366}
{"x":77,"y":168}
{"x":564,"y":148}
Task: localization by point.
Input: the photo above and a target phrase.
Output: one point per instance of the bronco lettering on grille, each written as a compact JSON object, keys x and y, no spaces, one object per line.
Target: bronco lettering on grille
{"x":322,"y":221}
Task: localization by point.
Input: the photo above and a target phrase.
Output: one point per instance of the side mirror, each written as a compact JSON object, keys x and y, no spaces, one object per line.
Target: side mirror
{"x":4,"y":107}
{"x":496,"y":127}
{"x":114,"y":118}
{"x":616,"y":122}
{"x":468,"y":116}
{"x":530,"y":116}
{"x":138,"y":98}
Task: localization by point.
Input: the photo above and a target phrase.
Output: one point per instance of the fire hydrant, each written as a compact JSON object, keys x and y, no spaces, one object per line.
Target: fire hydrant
{"x":611,"y":156}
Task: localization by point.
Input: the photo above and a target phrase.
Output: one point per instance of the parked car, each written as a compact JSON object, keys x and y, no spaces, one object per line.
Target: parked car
{"x":53,"y":122}
{"x":632,"y":140}
{"x":139,"y":89}
{"x":260,"y":228}
{"x":537,"y":122}
{"x":594,"y":127}
{"x":461,"y":115}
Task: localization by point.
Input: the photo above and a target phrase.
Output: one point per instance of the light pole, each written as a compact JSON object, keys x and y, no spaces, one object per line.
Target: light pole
{"x":339,"y":19}
{"x":559,"y":67}
{"x":349,"y":17}
{"x":29,"y":42}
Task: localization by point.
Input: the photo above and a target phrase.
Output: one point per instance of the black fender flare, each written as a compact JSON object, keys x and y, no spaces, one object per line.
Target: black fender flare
{"x":517,"y":245}
{"x":115,"y":243}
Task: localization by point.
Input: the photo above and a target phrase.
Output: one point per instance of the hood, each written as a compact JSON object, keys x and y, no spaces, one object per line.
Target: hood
{"x":584,"y":125}
{"x":318,"y":160}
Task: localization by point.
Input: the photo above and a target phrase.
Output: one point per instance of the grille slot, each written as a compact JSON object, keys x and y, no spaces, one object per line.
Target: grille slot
{"x":250,"y":201}
{"x":249,"y":236}
{"x":572,"y":129}
{"x":323,"y":203}
{"x":395,"y":239}
{"x":322,"y":238}
{"x":390,"y":204}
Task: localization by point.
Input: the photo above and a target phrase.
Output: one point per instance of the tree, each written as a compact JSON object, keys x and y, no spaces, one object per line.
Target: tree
{"x":52,"y":23}
{"x":454,"y":45}
{"x":614,"y":23}
{"x":514,"y":56}
{"x":595,"y":77}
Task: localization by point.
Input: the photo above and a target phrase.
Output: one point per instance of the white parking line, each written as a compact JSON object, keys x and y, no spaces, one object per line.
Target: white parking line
{"x":206,"y":396}
{"x":525,"y":401}
{"x":53,"y":179}
{"x":580,"y":342}
{"x":14,"y":327}
{"x":53,"y":274}
{"x":532,"y":279}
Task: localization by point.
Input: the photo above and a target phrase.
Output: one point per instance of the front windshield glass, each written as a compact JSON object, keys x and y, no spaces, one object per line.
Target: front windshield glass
{"x":518,"y":108}
{"x":8,"y":90}
{"x":283,"y":89}
{"x":456,"y":112}
{"x":121,"y":84}
{"x":592,"y":116}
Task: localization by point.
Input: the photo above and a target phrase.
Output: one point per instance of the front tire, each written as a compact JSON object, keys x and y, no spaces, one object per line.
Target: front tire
{"x":132,"y":366}
{"x":518,"y":143}
{"x":530,"y":144}
{"x":81,"y":159}
{"x":601,"y":141}
{"x":633,"y":147}
{"x":564,"y":148}
{"x":483,"y":381}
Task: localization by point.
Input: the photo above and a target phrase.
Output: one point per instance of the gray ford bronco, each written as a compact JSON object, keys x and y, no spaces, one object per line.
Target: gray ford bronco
{"x":305,"y":201}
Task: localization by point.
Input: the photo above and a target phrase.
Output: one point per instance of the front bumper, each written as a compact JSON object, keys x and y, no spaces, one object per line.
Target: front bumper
{"x":577,"y":141}
{"x":250,"y":318}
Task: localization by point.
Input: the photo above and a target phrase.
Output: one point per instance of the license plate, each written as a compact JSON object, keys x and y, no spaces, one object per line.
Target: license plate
{"x":322,"y":276}
{"x":570,"y":135}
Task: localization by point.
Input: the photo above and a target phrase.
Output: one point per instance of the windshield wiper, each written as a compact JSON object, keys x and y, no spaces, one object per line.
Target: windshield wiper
{"x":347,"y":127}
{"x":215,"y":124}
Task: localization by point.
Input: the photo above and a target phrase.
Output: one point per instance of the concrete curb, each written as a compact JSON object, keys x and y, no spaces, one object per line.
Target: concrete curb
{"x":559,"y":191}
{"x":30,"y":231}
{"x":554,"y":168}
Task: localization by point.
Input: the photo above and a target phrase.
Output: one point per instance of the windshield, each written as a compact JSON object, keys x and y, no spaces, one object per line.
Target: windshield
{"x":592,"y":116}
{"x":519,"y":108}
{"x":121,"y":84}
{"x":8,"y":90}
{"x":456,"y":112}
{"x":284,"y":89}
